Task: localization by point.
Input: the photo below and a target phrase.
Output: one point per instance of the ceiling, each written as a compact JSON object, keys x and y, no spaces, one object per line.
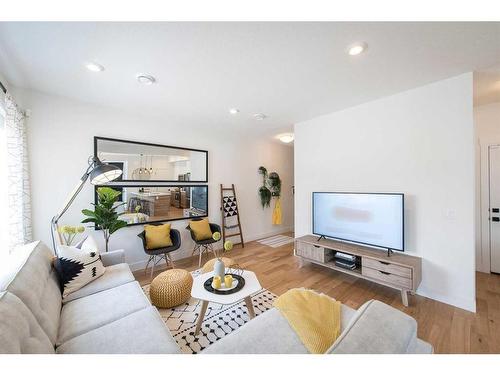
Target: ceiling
{"x":289,"y":71}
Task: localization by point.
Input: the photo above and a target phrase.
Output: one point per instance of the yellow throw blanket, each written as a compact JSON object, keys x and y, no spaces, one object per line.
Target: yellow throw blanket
{"x":314,"y":317}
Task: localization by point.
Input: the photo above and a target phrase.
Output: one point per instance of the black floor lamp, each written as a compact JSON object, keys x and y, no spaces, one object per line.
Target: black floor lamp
{"x":100,"y":173}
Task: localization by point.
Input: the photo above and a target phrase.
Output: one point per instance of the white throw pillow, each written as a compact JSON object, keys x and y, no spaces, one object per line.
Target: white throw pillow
{"x":78,"y":265}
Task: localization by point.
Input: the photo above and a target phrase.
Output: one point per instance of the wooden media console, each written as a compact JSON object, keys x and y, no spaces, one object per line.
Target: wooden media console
{"x":399,"y":271}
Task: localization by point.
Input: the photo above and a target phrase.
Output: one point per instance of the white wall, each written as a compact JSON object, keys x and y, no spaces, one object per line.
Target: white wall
{"x":419,"y":142}
{"x":487,"y":132}
{"x":60,"y":137}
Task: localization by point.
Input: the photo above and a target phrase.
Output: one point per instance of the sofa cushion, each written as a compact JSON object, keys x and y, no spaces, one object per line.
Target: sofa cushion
{"x":87,"y":313}
{"x":418,"y":346}
{"x":20,"y":333}
{"x":201,"y":229}
{"x":376,"y":328}
{"x":142,"y":332}
{"x":268,"y":333}
{"x":78,"y":266}
{"x":114,"y":276}
{"x":32,"y":279}
{"x":113,"y":257}
{"x":157,"y":236}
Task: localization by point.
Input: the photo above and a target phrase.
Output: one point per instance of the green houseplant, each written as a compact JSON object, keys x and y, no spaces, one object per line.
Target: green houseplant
{"x":264,"y":192}
{"x":104,"y":215}
{"x":274,"y":182}
{"x":271,"y":186}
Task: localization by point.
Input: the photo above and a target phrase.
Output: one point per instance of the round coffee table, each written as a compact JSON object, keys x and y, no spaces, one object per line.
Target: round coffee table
{"x":198,"y":291}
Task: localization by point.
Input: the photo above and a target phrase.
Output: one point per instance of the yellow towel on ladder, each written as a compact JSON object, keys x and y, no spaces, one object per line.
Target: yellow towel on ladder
{"x":277,"y":212}
{"x":314,"y":317}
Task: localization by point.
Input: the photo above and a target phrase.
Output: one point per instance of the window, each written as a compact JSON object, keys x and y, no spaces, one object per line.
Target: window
{"x":3,"y":184}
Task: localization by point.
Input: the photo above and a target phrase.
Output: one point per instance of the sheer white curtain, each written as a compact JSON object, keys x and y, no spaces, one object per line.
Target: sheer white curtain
{"x":16,"y":174}
{"x":4,"y":250}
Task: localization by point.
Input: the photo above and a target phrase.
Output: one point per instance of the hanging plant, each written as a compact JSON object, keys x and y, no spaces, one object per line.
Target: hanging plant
{"x":271,"y":187}
{"x":263,"y":172}
{"x":265,"y":196}
{"x":274,"y":182}
{"x":264,"y":192}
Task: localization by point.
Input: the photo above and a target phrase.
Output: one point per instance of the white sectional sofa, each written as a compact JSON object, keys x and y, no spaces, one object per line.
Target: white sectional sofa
{"x":112,"y":315}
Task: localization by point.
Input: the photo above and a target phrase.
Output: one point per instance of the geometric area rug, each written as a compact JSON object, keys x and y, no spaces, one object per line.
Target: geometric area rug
{"x":220,"y":320}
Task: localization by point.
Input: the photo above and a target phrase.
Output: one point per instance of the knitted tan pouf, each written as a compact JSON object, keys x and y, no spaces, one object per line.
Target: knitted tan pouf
{"x":209,"y":266}
{"x":171,"y":288}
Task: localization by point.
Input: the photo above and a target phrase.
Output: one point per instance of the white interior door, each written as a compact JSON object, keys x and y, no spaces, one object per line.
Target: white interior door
{"x":494,"y":208}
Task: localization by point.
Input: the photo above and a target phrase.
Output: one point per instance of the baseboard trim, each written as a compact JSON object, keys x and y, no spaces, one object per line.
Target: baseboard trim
{"x":450,"y":300}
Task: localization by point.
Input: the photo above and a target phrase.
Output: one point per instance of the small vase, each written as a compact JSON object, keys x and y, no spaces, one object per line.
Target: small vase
{"x":219,"y":268}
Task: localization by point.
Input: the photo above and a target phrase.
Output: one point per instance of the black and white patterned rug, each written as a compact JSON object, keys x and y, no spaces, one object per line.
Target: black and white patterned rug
{"x":220,"y":320}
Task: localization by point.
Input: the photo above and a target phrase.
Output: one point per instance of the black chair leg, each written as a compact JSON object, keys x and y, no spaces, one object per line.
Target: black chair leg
{"x":151,"y":257}
{"x":200,"y":250}
{"x":153,"y":268}
{"x":211,"y":248}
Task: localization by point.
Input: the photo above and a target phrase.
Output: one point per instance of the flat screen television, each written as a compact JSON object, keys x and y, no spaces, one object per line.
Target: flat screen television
{"x":375,"y":219}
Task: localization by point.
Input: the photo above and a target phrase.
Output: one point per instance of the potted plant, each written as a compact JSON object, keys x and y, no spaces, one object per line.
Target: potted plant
{"x":264,"y":192}
{"x":271,"y":188}
{"x":137,"y":210}
{"x":69,"y":232}
{"x":219,"y":267}
{"x":104,"y":215}
{"x":274,"y":182}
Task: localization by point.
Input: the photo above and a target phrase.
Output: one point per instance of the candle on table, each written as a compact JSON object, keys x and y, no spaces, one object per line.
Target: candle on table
{"x":217,"y":282}
{"x":228,"y":281}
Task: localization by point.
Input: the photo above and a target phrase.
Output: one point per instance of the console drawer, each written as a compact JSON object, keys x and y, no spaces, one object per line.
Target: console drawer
{"x":313,"y":252}
{"x":386,"y":277}
{"x":387,"y":267}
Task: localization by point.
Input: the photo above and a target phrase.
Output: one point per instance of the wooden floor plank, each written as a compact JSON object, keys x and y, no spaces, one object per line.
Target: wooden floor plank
{"x":448,"y":329}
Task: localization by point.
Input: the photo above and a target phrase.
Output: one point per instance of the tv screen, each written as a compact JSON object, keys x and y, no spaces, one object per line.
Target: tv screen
{"x":375,"y":219}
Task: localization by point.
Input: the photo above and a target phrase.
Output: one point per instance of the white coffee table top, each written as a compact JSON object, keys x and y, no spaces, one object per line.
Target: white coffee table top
{"x":198,"y":291}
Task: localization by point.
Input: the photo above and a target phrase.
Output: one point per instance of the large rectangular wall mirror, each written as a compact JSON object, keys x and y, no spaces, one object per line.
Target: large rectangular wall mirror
{"x":152,"y":162}
{"x":148,"y":204}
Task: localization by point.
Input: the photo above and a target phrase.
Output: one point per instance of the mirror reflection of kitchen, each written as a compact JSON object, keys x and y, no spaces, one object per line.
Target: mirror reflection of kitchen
{"x":141,"y":162}
{"x":162,"y":203}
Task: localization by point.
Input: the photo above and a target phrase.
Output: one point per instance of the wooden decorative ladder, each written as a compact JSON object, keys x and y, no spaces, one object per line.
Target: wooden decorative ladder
{"x":229,"y":209}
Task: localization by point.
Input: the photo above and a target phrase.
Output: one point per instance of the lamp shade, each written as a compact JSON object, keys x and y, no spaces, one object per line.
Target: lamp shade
{"x":104,"y":173}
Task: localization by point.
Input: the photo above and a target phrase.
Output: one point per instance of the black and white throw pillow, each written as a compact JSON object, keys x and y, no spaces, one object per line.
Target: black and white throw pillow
{"x":78,"y":265}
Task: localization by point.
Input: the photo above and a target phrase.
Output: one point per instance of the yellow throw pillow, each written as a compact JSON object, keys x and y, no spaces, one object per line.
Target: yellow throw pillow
{"x":157,"y":236}
{"x":201,"y":229}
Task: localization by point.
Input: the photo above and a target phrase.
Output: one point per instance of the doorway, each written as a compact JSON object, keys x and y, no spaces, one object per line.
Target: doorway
{"x":494,"y":206}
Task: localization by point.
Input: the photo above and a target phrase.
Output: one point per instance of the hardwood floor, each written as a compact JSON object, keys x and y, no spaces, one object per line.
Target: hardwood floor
{"x":447,"y":328}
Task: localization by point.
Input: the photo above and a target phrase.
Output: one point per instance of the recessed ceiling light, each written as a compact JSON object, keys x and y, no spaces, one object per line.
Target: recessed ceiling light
{"x":259,"y":116}
{"x":94,"y":67}
{"x":146,"y":79}
{"x":357,"y":48}
{"x":286,"y":138}
{"x":234,"y":111}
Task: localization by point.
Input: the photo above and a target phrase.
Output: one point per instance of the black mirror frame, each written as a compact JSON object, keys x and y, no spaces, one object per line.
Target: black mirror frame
{"x":116,"y":185}
{"x":97,"y":139}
